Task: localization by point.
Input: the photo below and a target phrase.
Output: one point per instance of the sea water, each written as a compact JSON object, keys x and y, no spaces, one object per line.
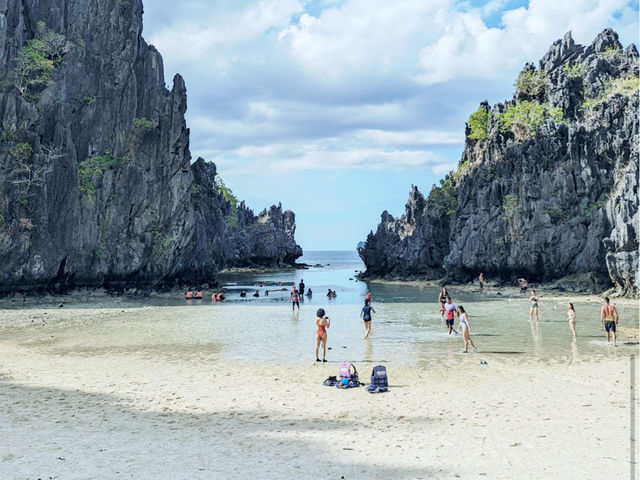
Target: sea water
{"x":407,"y":327}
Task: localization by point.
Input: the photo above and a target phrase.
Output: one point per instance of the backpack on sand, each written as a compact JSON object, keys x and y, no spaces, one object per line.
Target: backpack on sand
{"x":379,"y":380}
{"x":348,"y":379}
{"x":345,"y":370}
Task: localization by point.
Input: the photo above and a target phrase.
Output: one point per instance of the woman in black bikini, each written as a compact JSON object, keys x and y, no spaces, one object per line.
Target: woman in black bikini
{"x":442,"y":298}
{"x":533,"y":298}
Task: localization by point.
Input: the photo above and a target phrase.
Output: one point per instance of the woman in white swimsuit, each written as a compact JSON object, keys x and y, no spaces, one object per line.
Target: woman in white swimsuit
{"x":571,"y":316}
{"x":465,"y":328}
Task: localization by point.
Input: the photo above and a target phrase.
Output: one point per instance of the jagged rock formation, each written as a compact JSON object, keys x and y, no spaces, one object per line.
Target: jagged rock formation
{"x":96,"y":184}
{"x":547,"y":186}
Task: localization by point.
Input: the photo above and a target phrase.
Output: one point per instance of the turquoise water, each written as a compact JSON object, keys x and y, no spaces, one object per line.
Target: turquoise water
{"x":407,"y":327}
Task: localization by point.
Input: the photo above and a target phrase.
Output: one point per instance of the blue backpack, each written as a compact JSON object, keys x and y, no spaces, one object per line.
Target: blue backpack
{"x":379,"y":380}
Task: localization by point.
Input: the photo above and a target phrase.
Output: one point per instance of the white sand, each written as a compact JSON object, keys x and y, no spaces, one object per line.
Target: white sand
{"x":124,"y":414}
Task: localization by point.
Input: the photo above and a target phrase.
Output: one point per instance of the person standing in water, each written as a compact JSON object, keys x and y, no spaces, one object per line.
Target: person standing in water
{"x":571,"y":316}
{"x":481,"y":281}
{"x":365,"y":314}
{"x":295,"y":300}
{"x":609,"y":319}
{"x":450,"y":310}
{"x":301,"y":288}
{"x":533,"y":298}
{"x":322,"y":323}
{"x":368,"y":297}
{"x":465,"y":328}
{"x":442,"y":298}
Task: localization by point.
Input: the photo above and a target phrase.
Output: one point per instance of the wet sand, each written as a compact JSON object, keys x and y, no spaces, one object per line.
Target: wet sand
{"x":152,"y":411}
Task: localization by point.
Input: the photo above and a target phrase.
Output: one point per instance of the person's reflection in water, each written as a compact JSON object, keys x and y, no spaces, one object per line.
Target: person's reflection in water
{"x":536,"y":339}
{"x":368,"y":352}
{"x":574,"y":355}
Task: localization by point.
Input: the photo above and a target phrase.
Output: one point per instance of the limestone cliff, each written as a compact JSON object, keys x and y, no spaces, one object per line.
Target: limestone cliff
{"x":547,"y":187}
{"x":96,"y":181}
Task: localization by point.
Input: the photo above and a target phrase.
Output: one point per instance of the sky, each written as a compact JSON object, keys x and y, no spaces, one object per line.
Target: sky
{"x":336,"y":107}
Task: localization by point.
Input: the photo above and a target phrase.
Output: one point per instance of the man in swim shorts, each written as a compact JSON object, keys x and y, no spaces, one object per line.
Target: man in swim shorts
{"x":609,"y":319}
{"x":450,"y":310}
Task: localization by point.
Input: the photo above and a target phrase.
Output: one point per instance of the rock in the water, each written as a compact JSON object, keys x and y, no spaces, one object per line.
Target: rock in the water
{"x":97,"y":187}
{"x":547,"y":186}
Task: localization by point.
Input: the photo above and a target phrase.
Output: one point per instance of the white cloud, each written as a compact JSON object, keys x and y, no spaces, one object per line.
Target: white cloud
{"x":467,"y":48}
{"x":206,"y":37}
{"x":443,"y":168}
{"x":356,"y":83}
{"x":316,"y":158}
{"x":414,"y":138}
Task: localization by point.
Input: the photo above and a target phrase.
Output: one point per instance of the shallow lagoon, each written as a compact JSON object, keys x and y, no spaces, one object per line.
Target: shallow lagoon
{"x":407,"y":327}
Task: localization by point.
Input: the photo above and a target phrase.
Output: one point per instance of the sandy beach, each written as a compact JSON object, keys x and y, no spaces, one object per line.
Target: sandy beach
{"x":146,"y":411}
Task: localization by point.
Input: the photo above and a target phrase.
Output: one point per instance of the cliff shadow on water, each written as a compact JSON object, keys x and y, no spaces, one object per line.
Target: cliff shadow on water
{"x":97,"y":187}
{"x":547,"y":186}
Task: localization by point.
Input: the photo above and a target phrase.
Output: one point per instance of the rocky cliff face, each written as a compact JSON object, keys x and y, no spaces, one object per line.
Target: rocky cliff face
{"x":96,"y":181}
{"x":547,"y":186}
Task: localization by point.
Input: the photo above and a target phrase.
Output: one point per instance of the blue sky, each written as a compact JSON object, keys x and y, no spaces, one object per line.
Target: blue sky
{"x":336,"y":107}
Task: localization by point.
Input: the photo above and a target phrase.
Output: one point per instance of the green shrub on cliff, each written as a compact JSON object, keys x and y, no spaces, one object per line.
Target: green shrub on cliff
{"x":37,"y":61}
{"x":91,"y":170}
{"x":143,"y":124}
{"x":574,"y":70}
{"x":162,"y":243}
{"x":612,"y":53}
{"x":228,"y":196}
{"x":531,"y":82}
{"x":442,"y":200}
{"x":617,"y":86}
{"x":479,"y":124}
{"x":21,"y":151}
{"x":525,"y":117}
